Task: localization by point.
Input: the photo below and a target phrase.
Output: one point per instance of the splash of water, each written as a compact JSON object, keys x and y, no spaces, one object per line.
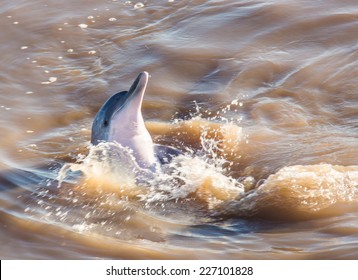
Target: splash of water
{"x":199,"y":175}
{"x":108,"y":167}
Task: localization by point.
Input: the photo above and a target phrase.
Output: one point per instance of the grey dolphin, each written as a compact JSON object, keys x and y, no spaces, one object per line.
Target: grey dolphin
{"x":120,"y":120}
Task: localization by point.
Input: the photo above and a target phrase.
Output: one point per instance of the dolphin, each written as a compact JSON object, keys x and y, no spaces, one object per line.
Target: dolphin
{"x":120,"y":120}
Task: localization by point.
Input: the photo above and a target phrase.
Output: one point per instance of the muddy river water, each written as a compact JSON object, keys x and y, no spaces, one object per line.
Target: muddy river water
{"x":261,"y":97}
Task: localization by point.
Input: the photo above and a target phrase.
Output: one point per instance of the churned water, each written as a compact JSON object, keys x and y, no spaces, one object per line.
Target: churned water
{"x":261,"y":97}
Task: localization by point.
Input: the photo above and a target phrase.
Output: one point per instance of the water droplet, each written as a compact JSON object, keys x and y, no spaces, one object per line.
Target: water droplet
{"x":234,"y":102}
{"x":82,"y":25}
{"x":24,"y":47}
{"x":92,"y":52}
{"x":50,"y":80}
{"x":112,"y":19}
{"x":70,"y":50}
{"x":139,"y":5}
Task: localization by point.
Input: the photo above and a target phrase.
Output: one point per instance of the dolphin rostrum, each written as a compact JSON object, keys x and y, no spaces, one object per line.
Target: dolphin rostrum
{"x":120,"y":120}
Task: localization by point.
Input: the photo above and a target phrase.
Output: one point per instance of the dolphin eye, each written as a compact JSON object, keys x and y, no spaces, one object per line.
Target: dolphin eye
{"x":105,"y":123}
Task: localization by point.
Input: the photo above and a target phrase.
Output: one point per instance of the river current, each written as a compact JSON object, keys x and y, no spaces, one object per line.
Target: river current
{"x":261,"y":97}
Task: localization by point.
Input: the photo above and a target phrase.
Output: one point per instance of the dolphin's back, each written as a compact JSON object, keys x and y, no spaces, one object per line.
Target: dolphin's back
{"x":166,"y":153}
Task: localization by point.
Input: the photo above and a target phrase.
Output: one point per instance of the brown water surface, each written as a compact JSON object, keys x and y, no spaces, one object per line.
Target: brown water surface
{"x":260,"y":95}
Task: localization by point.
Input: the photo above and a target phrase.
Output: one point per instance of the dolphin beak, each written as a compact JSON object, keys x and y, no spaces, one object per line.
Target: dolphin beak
{"x":137,"y":90}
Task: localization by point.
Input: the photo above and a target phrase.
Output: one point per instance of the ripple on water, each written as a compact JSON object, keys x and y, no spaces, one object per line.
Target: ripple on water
{"x":272,"y":136}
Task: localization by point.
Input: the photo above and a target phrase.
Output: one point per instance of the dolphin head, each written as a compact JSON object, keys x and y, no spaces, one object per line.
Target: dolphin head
{"x":120,"y":120}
